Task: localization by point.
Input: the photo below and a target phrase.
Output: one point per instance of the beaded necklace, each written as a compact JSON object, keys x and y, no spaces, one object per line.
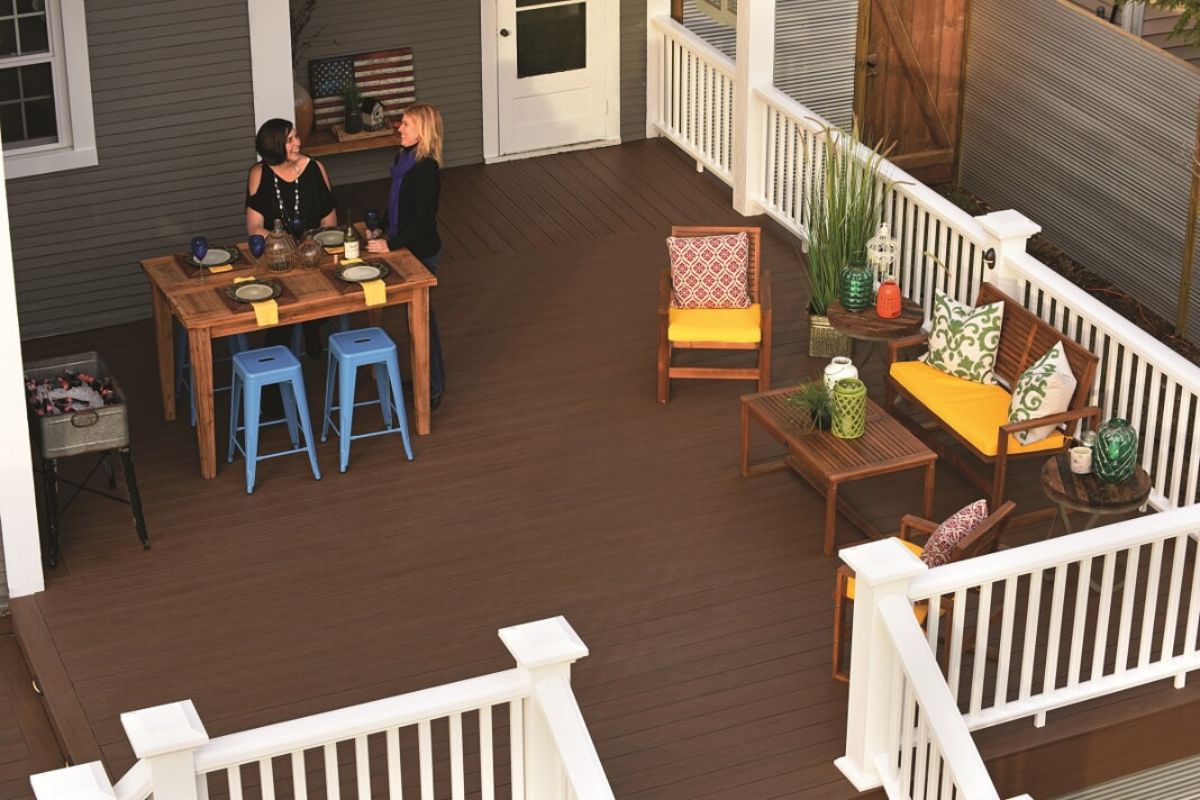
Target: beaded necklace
{"x":296,"y":196}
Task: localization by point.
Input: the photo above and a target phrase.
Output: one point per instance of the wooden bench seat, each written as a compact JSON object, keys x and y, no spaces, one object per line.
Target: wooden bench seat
{"x":988,"y":437}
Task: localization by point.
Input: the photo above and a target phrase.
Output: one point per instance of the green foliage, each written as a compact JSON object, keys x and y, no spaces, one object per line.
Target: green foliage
{"x":350,"y":96}
{"x":846,"y":211}
{"x":813,"y":399}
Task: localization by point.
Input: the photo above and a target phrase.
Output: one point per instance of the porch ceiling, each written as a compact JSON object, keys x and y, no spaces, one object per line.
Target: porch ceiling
{"x":552,"y":483}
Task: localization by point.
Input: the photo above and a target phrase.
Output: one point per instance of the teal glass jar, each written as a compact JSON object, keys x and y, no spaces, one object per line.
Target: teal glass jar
{"x":1114,"y":456}
{"x":857,"y":284}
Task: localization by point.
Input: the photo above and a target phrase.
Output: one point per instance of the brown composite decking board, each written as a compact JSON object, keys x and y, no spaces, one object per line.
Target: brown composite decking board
{"x":27,"y":743}
{"x":552,"y":483}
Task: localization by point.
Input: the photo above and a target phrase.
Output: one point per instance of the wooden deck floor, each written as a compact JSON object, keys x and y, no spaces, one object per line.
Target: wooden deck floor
{"x":552,"y":483}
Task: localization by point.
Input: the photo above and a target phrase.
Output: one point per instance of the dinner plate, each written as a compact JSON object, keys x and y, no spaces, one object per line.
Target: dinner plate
{"x":358,"y":273}
{"x":329,"y":237}
{"x":254,"y":291}
{"x":217,"y":256}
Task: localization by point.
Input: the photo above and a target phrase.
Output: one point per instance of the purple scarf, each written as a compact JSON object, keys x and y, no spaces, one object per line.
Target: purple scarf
{"x":404,"y":162}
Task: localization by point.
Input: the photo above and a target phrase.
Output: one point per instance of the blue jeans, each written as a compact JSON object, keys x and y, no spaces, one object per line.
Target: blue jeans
{"x":437,"y":370}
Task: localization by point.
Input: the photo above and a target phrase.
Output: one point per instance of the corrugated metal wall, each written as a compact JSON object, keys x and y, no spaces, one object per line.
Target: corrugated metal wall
{"x":1179,"y":780}
{"x":814,"y":51}
{"x":175,"y":133}
{"x":1088,"y":131}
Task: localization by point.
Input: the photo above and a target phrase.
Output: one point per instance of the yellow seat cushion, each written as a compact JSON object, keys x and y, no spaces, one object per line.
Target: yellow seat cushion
{"x":920,"y":609}
{"x":974,"y":410}
{"x":734,"y":325}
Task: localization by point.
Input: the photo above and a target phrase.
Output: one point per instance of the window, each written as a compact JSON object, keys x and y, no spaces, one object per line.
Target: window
{"x":45,"y":87}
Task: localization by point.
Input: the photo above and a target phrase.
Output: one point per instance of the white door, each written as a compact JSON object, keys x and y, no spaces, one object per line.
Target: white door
{"x":552,"y":87}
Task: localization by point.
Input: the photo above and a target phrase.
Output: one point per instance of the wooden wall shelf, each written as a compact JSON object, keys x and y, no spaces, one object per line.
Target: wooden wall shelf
{"x":323,"y":143}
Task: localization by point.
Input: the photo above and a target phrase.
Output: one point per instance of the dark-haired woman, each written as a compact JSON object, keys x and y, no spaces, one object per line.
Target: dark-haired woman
{"x":412,"y":213}
{"x":290,"y":186}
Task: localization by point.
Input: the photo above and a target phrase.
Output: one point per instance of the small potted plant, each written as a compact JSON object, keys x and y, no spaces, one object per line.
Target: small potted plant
{"x":353,"y":102}
{"x":812,"y":398}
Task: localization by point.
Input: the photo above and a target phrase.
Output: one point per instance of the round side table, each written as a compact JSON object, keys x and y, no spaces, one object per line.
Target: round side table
{"x":867,"y":326}
{"x":1088,"y":494}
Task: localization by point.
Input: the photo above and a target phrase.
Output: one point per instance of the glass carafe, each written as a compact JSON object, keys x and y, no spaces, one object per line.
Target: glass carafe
{"x":309,"y":252}
{"x":278,"y":252}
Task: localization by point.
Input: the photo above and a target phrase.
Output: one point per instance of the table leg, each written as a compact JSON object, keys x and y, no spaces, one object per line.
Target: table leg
{"x":418,"y":329}
{"x":745,"y":440}
{"x":50,"y":542}
{"x":831,"y":497}
{"x":164,"y":340}
{"x":927,"y":504}
{"x":200,"y":343}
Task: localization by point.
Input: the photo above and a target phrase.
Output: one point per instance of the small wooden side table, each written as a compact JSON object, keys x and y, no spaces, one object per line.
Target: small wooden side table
{"x":1090,"y":495}
{"x":867,"y":326}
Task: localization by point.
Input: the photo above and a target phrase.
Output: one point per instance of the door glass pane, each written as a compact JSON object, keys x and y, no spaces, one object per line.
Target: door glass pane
{"x":551,"y":39}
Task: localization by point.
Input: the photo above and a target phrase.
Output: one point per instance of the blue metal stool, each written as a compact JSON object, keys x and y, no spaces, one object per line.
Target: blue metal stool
{"x":252,"y":370}
{"x":348,"y":351}
{"x":183,"y":363}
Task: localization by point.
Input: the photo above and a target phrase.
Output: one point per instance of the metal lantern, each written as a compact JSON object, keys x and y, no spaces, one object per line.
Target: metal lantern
{"x":881,"y":254}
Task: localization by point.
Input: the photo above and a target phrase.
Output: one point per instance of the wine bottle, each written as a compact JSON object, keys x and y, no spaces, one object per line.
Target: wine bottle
{"x":350,"y":241}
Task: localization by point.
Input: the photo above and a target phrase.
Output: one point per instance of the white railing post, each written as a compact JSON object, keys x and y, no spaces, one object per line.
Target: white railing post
{"x":545,"y":649}
{"x":882,"y":569}
{"x":656,"y":53}
{"x":166,"y":738}
{"x":755,"y":67}
{"x":1008,"y":232}
{"x":84,"y":782}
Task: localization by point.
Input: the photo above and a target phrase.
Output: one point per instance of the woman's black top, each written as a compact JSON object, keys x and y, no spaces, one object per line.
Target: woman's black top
{"x":316,"y":198}
{"x":418,"y":207}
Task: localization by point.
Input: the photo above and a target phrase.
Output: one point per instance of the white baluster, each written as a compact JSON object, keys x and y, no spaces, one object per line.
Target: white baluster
{"x":166,"y":737}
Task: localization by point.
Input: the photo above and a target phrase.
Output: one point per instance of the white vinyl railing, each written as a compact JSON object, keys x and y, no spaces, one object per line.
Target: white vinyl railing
{"x":1030,"y":604}
{"x":412,"y":745}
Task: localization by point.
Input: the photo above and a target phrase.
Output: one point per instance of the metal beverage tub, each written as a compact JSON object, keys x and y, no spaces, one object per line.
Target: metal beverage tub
{"x":86,"y":431}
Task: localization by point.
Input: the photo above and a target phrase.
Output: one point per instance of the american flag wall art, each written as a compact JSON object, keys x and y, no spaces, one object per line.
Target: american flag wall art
{"x":385,"y":75}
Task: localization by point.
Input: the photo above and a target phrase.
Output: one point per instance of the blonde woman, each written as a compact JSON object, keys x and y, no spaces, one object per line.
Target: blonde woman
{"x":412,"y":208}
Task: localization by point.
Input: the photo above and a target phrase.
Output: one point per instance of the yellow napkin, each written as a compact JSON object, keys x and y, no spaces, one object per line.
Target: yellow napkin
{"x":375,"y":292}
{"x":351,"y":261}
{"x":222,"y":268}
{"x":266,"y":312}
{"x":334,"y":250}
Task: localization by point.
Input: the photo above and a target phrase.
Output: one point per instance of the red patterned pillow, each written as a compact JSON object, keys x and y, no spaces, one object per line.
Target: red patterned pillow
{"x":710,"y":271}
{"x":941,"y":542}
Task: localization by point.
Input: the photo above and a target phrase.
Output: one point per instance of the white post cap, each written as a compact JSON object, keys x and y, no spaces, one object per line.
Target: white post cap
{"x":164,"y":729}
{"x":883,"y":561}
{"x":1008,"y":224}
{"x":82,"y":782}
{"x":542,"y":643}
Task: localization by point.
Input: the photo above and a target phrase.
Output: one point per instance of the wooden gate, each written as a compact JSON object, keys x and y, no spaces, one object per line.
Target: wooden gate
{"x":909,"y":81}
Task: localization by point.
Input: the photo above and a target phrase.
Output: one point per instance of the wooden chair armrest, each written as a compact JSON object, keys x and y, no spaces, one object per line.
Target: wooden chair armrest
{"x":903,"y":343}
{"x":664,"y":291}
{"x":910,"y":523}
{"x":764,"y":289}
{"x":1070,"y":415}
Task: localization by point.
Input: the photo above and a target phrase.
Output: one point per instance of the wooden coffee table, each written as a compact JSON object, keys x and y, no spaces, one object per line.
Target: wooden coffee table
{"x":826,"y":462}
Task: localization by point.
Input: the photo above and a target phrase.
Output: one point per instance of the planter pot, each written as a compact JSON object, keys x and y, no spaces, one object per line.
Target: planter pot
{"x":354,"y":122}
{"x":824,"y":341}
{"x":303,"y":111}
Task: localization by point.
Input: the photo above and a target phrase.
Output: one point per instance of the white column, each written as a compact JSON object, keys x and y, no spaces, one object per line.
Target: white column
{"x":755,"y":67}
{"x":18,"y":505}
{"x":271,"y":60}
{"x":1008,"y":233}
{"x":84,"y":782}
{"x":656,"y":49}
{"x":166,"y":738}
{"x":546,"y":649}
{"x":882,"y":569}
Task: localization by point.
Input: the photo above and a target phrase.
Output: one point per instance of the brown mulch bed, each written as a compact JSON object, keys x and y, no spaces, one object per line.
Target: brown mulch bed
{"x":1103,"y":290}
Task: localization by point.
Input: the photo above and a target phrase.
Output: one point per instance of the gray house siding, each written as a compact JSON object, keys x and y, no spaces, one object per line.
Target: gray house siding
{"x":633,"y":70}
{"x":175,"y":133}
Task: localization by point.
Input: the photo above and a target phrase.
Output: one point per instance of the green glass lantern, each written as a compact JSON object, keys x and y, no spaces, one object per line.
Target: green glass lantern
{"x":849,"y":408}
{"x":1114,"y":456}
{"x":857,"y":284}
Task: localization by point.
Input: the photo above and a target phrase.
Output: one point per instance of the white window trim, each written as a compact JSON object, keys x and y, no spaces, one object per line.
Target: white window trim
{"x":72,"y":95}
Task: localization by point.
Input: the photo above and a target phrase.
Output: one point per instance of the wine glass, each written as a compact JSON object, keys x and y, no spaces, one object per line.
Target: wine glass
{"x":199,"y":247}
{"x":257,"y":244}
{"x":372,"y":220}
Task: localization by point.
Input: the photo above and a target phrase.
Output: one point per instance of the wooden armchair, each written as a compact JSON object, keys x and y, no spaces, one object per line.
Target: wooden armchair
{"x":985,"y":538}
{"x":716,"y":328}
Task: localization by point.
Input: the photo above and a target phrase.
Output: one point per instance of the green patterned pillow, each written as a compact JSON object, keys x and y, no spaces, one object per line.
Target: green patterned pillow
{"x":963,"y":340}
{"x":1045,"y":388}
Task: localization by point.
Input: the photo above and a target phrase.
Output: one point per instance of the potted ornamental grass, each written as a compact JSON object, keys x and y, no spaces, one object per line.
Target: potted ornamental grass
{"x":847,"y":208}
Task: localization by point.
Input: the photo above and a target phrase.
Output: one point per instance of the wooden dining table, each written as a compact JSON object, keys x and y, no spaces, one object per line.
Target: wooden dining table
{"x":198,"y":300}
